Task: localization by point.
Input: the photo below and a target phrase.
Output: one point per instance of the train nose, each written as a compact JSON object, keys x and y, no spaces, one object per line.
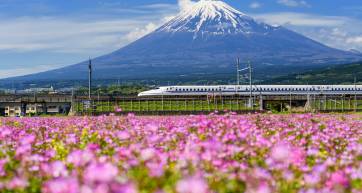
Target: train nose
{"x":147,"y":93}
{"x":141,"y":94}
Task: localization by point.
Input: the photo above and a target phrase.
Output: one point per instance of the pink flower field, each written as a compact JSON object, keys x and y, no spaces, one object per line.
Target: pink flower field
{"x":182,"y":154}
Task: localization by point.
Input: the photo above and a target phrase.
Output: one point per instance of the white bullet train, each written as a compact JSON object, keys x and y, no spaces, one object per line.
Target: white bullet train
{"x":229,"y":90}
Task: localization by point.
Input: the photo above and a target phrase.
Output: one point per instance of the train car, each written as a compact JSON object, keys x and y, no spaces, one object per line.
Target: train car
{"x":229,"y":90}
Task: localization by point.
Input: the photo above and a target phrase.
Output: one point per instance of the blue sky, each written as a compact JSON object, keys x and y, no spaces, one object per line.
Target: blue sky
{"x":38,"y":35}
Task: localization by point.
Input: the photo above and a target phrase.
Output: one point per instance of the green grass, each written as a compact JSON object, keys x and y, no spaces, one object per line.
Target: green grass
{"x":337,"y":104}
{"x":170,"y":105}
{"x":198,"y":105}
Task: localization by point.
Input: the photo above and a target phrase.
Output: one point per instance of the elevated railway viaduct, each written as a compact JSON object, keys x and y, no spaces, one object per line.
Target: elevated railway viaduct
{"x":21,"y":105}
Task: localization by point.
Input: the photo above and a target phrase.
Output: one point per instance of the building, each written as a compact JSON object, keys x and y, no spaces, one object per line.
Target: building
{"x":13,"y":110}
{"x":30,"y":105}
{"x":34,"y":109}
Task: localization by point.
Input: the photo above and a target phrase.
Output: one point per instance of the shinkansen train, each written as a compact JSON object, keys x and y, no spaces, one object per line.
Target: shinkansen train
{"x":229,"y":90}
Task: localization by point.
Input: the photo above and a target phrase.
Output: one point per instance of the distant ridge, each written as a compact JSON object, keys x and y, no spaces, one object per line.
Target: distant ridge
{"x":207,"y":38}
{"x":339,"y":74}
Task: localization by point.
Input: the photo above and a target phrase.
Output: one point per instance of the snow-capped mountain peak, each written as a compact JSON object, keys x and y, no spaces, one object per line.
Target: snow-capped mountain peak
{"x":214,"y":17}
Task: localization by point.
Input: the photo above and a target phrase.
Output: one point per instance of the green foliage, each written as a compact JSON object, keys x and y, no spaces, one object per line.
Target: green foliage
{"x":123,"y":90}
{"x":339,"y":74}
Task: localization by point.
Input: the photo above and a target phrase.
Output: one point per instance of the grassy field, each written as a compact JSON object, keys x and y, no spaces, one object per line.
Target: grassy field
{"x":337,"y":104}
{"x":169,"y":105}
{"x":198,"y":105}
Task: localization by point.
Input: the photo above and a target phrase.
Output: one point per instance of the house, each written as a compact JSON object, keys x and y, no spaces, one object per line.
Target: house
{"x":13,"y":110}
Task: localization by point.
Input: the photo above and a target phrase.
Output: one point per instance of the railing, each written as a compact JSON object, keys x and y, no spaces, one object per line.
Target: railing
{"x":205,"y":105}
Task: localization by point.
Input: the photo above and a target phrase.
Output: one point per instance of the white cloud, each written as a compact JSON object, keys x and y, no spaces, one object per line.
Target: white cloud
{"x":59,"y":37}
{"x":159,"y":6}
{"x":255,"y":5}
{"x":355,"y":40}
{"x":7,"y":73}
{"x":63,"y":35}
{"x":301,"y":19}
{"x":140,"y":32}
{"x":185,"y":4}
{"x":294,"y":3}
{"x":335,"y":31}
{"x":148,"y":28}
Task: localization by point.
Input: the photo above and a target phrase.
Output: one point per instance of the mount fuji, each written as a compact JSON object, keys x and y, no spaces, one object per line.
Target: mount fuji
{"x":207,"y":38}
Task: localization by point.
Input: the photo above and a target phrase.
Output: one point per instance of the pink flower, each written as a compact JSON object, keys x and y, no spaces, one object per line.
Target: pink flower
{"x":118,"y":109}
{"x":297,"y":156}
{"x":147,"y":154}
{"x":61,"y":185}
{"x":58,"y":169}
{"x":284,"y":153}
{"x":29,"y":139}
{"x":155,"y":169}
{"x":17,"y":183}
{"x":192,"y":185}
{"x":80,"y":158}
{"x":338,"y":179}
{"x":263,"y":188}
{"x":4,"y":132}
{"x":23,"y":150}
{"x":125,"y":188}
{"x":100,"y":172}
{"x":280,"y":153}
{"x":2,"y":165}
{"x":123,"y":135}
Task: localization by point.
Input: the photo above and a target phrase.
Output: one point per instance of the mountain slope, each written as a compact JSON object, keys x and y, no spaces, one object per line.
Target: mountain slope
{"x":339,"y":74}
{"x":208,"y":38}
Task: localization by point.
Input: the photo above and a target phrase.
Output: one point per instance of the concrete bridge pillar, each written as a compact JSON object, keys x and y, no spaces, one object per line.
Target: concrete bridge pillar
{"x":261,"y":103}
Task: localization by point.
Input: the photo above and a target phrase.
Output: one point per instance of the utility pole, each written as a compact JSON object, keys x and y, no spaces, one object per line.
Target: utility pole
{"x":90,"y":79}
{"x":251,"y":84}
{"x":355,"y":93}
{"x":238,"y":71}
{"x":72,"y":100}
{"x":237,"y":75}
